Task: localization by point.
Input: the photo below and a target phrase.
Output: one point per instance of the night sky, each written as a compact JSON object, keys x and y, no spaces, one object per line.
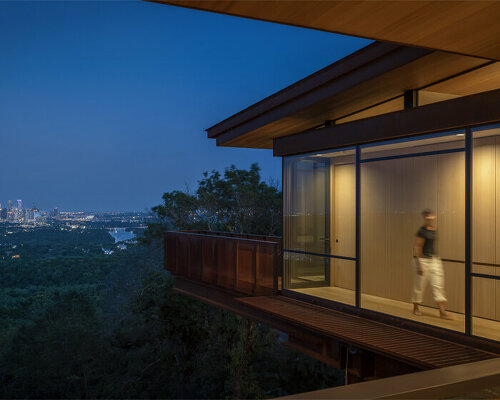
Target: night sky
{"x":103,"y":105}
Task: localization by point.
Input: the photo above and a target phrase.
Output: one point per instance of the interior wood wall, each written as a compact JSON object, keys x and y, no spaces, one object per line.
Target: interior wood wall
{"x":343,"y":224}
{"x":486,"y":225}
{"x":393,"y":194}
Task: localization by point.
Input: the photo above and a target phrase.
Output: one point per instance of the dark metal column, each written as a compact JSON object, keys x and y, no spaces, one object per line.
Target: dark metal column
{"x":410,"y":98}
{"x":468,"y":230}
{"x":358,"y":226}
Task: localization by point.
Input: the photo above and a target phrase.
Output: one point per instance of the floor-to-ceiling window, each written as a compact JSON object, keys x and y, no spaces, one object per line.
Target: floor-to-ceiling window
{"x":319,"y":224}
{"x":399,"y":180}
{"x":486,"y":232}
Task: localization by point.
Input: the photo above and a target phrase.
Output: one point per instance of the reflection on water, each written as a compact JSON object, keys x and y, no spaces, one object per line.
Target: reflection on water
{"x":121,"y":235}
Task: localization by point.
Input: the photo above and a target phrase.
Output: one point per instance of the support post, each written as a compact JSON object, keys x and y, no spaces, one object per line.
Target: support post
{"x":358,"y":226}
{"x":410,"y":99}
{"x":468,"y":231}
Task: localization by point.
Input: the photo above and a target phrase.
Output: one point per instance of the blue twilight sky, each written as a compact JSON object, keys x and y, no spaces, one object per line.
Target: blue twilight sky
{"x":103,"y":105}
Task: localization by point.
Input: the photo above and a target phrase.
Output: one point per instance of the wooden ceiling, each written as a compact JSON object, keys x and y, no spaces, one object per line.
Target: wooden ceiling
{"x":463,"y":27}
{"x":359,"y":86}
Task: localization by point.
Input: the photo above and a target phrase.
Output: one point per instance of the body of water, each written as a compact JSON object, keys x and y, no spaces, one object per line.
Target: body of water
{"x":120,"y":234}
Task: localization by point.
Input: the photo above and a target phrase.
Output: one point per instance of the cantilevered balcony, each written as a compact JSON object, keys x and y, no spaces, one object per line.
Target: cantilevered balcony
{"x":243,"y":274}
{"x":241,"y":263}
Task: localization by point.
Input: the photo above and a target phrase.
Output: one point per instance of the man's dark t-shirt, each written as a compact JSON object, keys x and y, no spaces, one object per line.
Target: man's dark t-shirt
{"x":430,"y":237}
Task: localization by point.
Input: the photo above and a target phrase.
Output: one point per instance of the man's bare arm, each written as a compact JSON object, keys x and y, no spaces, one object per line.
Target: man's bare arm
{"x":417,"y":252}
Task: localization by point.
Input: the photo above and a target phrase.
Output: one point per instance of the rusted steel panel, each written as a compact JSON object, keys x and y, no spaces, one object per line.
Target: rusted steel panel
{"x":266,"y":263}
{"x":195,"y":257}
{"x":245,"y":257}
{"x":209,"y":261}
{"x":247,"y":264}
{"x":226,"y":256}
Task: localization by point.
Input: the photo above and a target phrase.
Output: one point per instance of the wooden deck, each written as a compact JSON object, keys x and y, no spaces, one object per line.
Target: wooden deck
{"x":481,"y":326}
{"x":416,"y":349}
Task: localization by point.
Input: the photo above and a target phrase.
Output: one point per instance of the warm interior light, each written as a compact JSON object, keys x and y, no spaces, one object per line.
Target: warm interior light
{"x":460,"y":134}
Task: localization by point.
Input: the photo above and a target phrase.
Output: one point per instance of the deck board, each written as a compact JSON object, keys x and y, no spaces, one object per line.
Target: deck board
{"x":481,"y":326}
{"x":415,"y":348}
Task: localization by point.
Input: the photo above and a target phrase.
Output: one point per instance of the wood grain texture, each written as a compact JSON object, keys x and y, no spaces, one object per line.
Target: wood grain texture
{"x":393,"y":193}
{"x":496,"y":300}
{"x":452,"y":114}
{"x":483,"y":200}
{"x":465,"y":27}
{"x":481,"y":326}
{"x":365,"y":86}
{"x":344,"y":214}
{"x":343,"y":223}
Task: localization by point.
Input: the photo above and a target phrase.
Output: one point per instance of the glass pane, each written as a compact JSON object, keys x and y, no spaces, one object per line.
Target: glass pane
{"x":428,"y":143}
{"x":486,"y":303}
{"x":306,"y":211}
{"x":486,"y":232}
{"x":319,"y":223}
{"x":342,"y":288}
{"x":398,"y":181}
{"x":305,"y":270}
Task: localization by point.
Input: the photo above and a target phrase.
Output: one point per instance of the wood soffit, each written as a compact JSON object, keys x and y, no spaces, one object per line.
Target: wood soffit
{"x":462,"y":27}
{"x":467,"y":31}
{"x":481,"y":108}
{"x":370,"y":76}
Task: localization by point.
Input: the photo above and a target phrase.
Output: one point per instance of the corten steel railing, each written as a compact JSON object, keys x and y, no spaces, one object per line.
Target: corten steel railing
{"x":247,"y":264}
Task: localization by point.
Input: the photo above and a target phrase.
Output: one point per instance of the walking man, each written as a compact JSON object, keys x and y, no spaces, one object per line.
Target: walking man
{"x":428,"y":266}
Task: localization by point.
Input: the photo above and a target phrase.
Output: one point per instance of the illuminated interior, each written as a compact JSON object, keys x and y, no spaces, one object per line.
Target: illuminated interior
{"x":398,"y":180}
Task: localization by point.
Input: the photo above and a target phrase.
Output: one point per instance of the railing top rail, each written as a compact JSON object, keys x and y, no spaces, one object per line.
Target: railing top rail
{"x":226,"y":238}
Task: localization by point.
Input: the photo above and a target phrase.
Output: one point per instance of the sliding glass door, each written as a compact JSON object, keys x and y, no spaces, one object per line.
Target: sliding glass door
{"x":306,"y":221}
{"x":319,"y":224}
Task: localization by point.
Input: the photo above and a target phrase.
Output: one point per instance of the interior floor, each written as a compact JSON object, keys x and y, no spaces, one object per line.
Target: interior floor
{"x":480,"y":326}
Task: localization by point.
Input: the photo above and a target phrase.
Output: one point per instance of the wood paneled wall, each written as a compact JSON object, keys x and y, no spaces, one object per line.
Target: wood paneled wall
{"x":486,"y":225}
{"x":343,"y":224}
{"x":393,"y":194}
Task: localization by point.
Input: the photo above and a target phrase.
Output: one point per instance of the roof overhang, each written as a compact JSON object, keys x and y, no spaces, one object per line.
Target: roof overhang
{"x":459,"y":113}
{"x":463,"y":27}
{"x":373,"y":75}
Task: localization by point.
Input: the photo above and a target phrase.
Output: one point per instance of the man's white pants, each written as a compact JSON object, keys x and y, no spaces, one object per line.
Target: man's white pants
{"x":432,"y":271}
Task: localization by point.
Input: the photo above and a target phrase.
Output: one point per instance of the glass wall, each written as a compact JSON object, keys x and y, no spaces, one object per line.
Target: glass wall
{"x":486,"y":232}
{"x":319,"y":224}
{"x":399,"y":180}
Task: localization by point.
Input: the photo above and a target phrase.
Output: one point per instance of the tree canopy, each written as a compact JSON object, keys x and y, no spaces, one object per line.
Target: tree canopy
{"x":76,"y":323}
{"x":237,"y":201}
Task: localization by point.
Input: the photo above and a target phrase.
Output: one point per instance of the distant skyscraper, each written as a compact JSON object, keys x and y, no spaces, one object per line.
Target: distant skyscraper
{"x":19,"y":204}
{"x":9,"y":205}
{"x":55,"y":212}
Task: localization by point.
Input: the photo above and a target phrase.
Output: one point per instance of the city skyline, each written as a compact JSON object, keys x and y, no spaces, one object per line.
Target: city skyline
{"x":4,"y":204}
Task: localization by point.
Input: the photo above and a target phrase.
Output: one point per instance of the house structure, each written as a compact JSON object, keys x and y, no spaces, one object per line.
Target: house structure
{"x":411,"y":121}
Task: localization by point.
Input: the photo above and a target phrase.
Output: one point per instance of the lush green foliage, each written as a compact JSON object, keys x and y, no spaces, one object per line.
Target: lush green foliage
{"x":239,"y":201}
{"x":76,"y":323}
